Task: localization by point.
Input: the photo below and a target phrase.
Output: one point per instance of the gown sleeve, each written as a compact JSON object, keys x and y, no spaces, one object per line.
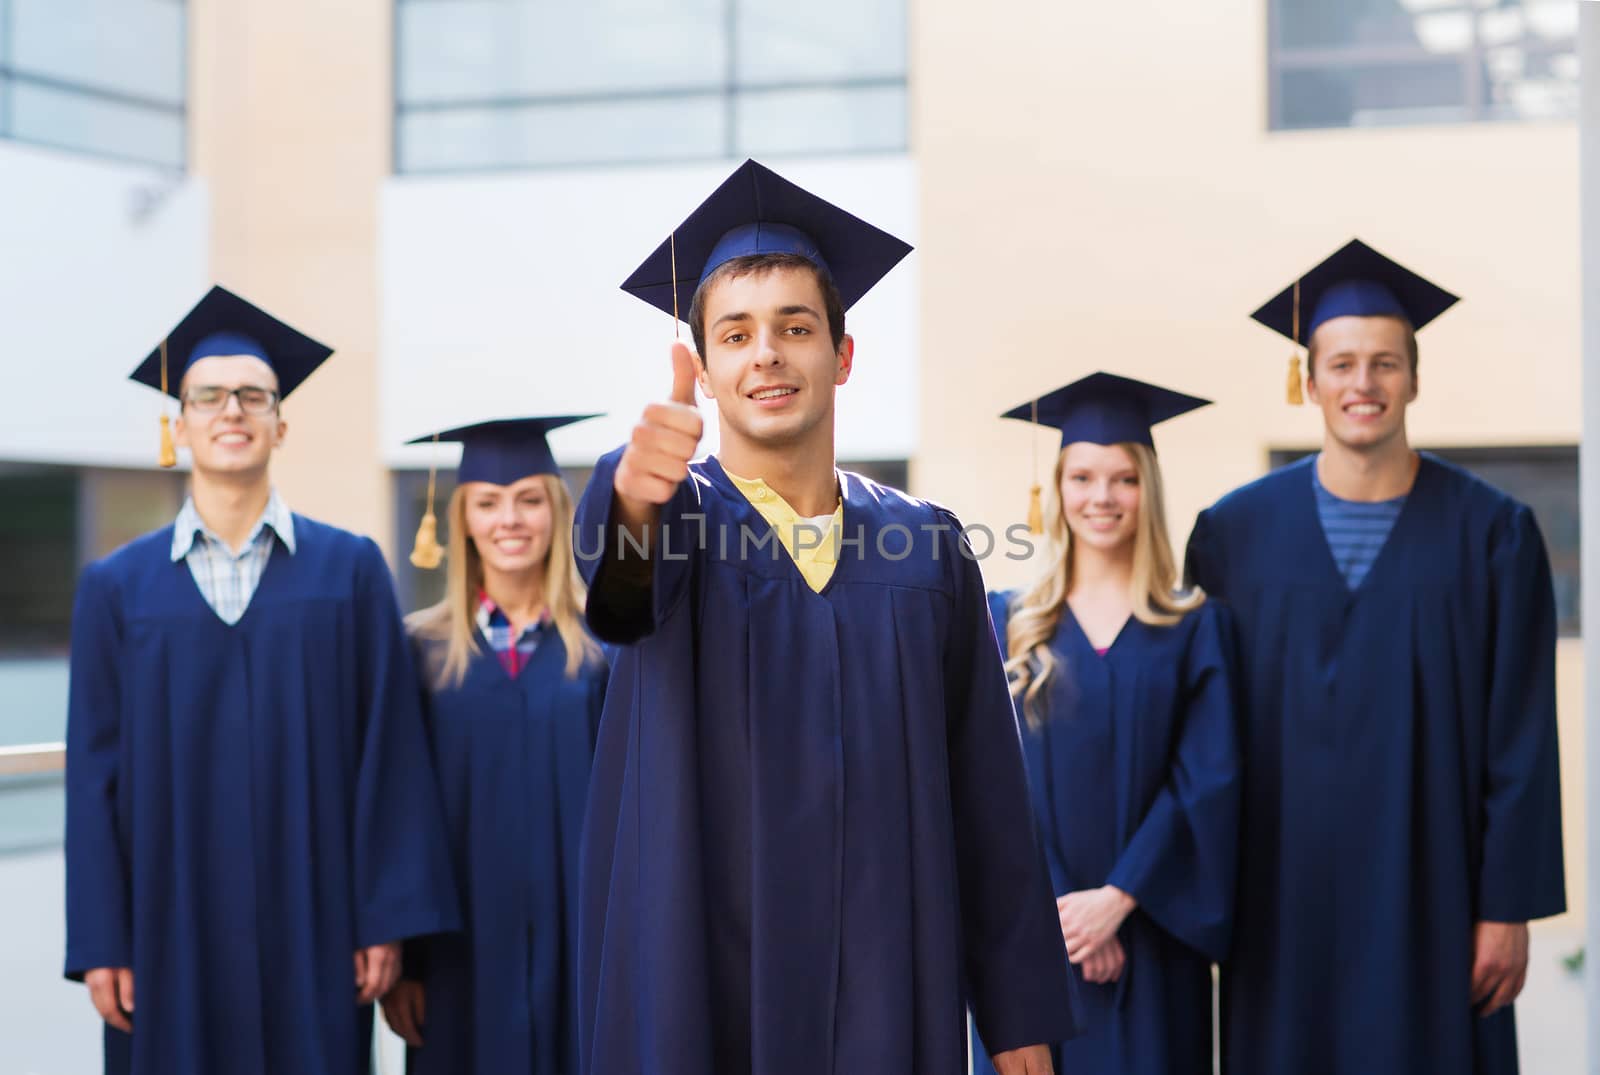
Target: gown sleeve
{"x":999,"y":611}
{"x":98,"y":928}
{"x":1522,"y":876}
{"x":1034,"y":756}
{"x":629,"y":598}
{"x":596,"y":695}
{"x":1202,"y":563}
{"x":1181,"y":863}
{"x":404,"y":885}
{"x":414,"y":963}
{"x":1016,"y":966}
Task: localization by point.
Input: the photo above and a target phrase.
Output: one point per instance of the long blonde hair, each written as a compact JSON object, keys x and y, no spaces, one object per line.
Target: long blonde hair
{"x":1036,"y":613}
{"x":453,"y":620}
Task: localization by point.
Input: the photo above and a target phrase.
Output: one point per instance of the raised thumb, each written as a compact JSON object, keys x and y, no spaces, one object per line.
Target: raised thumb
{"x":683,"y":374}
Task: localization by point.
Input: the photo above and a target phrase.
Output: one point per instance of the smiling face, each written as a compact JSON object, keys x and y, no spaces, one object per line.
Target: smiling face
{"x":769,"y":360}
{"x":509,"y":525}
{"x":1363,"y":376}
{"x":227,"y":439}
{"x":1100,"y":495}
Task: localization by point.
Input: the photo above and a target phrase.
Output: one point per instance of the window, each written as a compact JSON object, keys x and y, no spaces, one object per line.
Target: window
{"x":38,"y":558}
{"x":104,"y":77}
{"x":504,"y":84}
{"x":55,"y":519}
{"x":1359,"y":63}
{"x":1545,"y":479}
{"x":52,"y":520}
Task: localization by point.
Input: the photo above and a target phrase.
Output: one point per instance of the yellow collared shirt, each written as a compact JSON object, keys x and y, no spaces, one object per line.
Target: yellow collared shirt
{"x":817,"y":559}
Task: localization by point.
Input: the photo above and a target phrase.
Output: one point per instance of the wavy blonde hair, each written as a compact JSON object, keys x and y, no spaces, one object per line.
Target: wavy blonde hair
{"x":1036,"y":613}
{"x":453,"y":620}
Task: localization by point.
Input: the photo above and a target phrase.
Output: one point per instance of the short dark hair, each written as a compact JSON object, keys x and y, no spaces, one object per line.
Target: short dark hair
{"x":756,"y":264}
{"x":1411,"y":351}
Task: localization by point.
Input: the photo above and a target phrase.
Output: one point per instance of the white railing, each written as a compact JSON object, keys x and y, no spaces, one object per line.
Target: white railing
{"x":33,"y":758}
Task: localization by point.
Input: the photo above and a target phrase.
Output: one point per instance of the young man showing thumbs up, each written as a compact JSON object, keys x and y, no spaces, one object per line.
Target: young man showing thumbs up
{"x":808,"y":846}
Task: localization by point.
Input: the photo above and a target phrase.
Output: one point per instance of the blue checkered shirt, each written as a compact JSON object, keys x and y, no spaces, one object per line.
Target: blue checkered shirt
{"x":228,"y":579}
{"x":496,"y":628}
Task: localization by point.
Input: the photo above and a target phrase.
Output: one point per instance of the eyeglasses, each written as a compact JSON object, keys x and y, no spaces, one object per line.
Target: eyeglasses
{"x":208,"y":399}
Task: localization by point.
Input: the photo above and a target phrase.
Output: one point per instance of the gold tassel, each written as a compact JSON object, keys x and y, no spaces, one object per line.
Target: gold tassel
{"x":169,"y":454}
{"x":1296,"y":397}
{"x":672,"y":244}
{"x":427,"y":553}
{"x":1035,"y":510}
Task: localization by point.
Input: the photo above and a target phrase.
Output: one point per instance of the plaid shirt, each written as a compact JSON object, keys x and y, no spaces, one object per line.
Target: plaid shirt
{"x":496,"y":628}
{"x":227,"y":580}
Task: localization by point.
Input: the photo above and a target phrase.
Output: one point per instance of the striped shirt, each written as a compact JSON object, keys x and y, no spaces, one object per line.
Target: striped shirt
{"x":1355,"y":529}
{"x":496,"y":628}
{"x":228,"y":579}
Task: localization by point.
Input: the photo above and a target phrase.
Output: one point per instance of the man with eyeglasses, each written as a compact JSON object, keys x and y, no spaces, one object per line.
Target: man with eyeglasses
{"x":252,"y":820}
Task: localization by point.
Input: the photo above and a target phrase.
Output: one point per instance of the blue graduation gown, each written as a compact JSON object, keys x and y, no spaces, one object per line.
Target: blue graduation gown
{"x":246,"y":806}
{"x":808,"y":842}
{"x":512,"y":757}
{"x":1134,"y":777}
{"x":1400,"y":773}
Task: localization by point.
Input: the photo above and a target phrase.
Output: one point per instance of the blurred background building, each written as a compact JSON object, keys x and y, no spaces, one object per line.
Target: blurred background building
{"x":449,"y":192}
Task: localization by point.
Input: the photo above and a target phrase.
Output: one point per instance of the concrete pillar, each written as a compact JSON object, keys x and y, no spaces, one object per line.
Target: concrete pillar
{"x":290,"y":122}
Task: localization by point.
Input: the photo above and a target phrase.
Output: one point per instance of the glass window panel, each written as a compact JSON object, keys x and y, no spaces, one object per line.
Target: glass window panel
{"x":1445,"y":32}
{"x":585,"y":132}
{"x":1531,"y":85}
{"x":1501,"y":26}
{"x":493,"y":49}
{"x":1346,"y":64}
{"x":120,"y":505}
{"x":1320,"y":24}
{"x":1552,"y":20}
{"x":130,"y":46}
{"x":821,"y":121}
{"x":78,"y":121}
{"x":485,"y":84}
{"x":1372,"y":95}
{"x":825,"y":40}
{"x":38,"y":560}
{"x":1564,"y":65}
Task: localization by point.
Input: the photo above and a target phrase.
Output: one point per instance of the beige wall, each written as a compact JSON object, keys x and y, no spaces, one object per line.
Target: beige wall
{"x":1080,"y":212}
{"x":1099,"y":191}
{"x":290,"y":130}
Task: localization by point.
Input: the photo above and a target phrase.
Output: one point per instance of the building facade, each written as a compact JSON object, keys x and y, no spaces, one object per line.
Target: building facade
{"x":450,"y":191}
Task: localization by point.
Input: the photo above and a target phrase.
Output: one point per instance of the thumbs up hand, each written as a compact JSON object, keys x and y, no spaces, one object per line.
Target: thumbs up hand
{"x":664,"y":440}
{"x":684,"y":375}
